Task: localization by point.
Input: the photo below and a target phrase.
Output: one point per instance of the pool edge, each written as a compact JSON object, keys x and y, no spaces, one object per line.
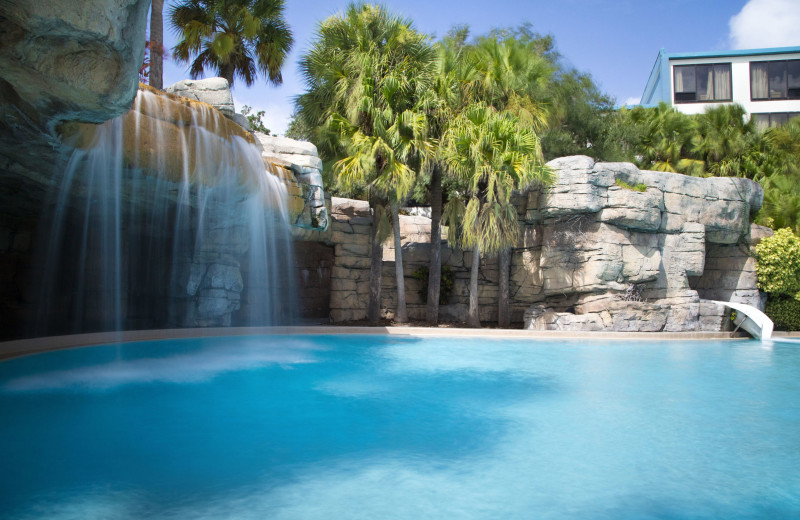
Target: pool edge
{"x":25,"y":347}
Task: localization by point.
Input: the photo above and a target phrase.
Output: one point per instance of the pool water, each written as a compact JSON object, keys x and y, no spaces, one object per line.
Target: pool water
{"x":387,"y":427}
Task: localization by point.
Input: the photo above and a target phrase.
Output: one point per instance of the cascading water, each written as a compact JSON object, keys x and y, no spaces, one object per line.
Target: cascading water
{"x":165,"y":217}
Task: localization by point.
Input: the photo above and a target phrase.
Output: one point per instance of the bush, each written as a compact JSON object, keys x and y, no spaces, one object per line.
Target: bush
{"x":445,"y":287}
{"x":784,"y":313}
{"x":778,"y":263}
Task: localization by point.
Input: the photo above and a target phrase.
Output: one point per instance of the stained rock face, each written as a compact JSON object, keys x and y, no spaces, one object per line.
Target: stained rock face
{"x":65,"y":60}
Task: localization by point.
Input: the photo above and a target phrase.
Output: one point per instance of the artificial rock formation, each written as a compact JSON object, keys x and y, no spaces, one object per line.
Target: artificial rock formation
{"x":614,"y":258}
{"x":307,"y":207}
{"x":66,"y":60}
{"x":594,"y":254}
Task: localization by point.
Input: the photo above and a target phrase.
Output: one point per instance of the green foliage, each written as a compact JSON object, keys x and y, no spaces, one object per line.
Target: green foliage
{"x":366,"y":75}
{"x":778,"y":263}
{"x":784,"y":313}
{"x":299,"y":130}
{"x":489,"y":155}
{"x":624,"y":185}
{"x":235,"y":38}
{"x":445,"y":288}
{"x":256,"y":124}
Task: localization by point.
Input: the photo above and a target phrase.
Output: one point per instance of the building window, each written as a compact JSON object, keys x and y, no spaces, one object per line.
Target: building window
{"x":775,"y":80}
{"x":773,"y":119}
{"x":702,"y":83}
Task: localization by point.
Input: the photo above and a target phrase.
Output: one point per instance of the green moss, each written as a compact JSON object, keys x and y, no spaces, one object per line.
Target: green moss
{"x":624,"y":185}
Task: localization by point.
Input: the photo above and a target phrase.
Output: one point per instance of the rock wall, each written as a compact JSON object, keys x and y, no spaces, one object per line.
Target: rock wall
{"x":594,"y":254}
{"x":350,"y":236}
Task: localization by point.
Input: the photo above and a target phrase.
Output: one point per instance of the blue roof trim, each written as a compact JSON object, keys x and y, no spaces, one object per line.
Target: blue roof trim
{"x":657,"y":88}
{"x":729,"y":54}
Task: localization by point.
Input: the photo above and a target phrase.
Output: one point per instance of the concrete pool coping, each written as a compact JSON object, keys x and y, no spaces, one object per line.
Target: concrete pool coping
{"x":24,"y":347}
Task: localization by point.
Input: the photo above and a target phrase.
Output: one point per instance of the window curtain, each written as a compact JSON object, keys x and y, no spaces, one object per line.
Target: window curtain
{"x":759,"y":81}
{"x":761,"y":121}
{"x":679,"y":83}
{"x":705,"y":82}
{"x":722,"y":82}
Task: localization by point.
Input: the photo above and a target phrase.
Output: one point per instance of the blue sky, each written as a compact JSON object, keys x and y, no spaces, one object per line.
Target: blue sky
{"x":616,"y":41}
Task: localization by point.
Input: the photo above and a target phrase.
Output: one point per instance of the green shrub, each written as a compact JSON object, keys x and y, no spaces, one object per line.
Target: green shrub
{"x":778,"y":263}
{"x":445,"y":287}
{"x":784,"y":313}
{"x":624,"y":185}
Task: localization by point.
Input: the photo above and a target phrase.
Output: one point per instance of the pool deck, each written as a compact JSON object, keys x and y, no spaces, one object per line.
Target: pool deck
{"x":24,"y":347}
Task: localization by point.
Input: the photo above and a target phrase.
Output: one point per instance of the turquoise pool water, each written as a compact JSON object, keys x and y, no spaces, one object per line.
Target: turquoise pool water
{"x":375,"y":427}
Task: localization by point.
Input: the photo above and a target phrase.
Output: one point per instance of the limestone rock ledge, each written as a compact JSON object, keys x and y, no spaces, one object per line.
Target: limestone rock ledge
{"x":612,"y":258}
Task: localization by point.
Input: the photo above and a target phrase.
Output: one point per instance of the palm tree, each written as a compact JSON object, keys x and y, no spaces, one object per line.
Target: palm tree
{"x":666,"y":140}
{"x":455,"y":73}
{"x":157,"y":44}
{"x":513,"y":75}
{"x":367,"y":77}
{"x":781,"y":177}
{"x":723,"y":140}
{"x":515,"y":72}
{"x":236,"y":38}
{"x":492,"y":155}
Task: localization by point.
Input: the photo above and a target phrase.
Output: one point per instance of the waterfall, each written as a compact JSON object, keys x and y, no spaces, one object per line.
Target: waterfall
{"x":164,"y":217}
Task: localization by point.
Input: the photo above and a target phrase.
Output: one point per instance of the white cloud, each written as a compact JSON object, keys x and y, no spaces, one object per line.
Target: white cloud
{"x":766,"y":23}
{"x":632,"y":101}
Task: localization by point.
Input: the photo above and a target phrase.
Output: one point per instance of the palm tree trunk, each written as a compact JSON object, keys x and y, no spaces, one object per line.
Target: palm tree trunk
{"x":473,"y":315}
{"x":226,"y":71}
{"x":435,"y":266}
{"x":400,"y":314}
{"x":157,"y":44}
{"x":375,"y":267}
{"x":504,"y":268}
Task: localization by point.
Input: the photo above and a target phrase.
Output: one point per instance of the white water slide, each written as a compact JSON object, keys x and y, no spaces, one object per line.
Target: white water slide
{"x":750,"y":319}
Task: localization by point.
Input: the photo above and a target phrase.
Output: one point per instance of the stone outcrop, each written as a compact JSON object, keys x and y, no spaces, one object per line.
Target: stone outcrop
{"x":308,"y":210}
{"x":594,"y":255}
{"x":614,"y":258}
{"x":66,"y":60}
{"x":212,"y":91}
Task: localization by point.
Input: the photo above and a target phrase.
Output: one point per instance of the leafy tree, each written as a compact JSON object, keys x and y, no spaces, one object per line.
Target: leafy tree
{"x":236,"y":38}
{"x":586,"y":122}
{"x":367,"y":77}
{"x":297,"y":129}
{"x":491,"y":154}
{"x":256,"y":124}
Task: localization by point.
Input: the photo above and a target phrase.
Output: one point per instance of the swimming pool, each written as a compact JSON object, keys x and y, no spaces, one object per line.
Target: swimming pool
{"x":374,"y":427}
